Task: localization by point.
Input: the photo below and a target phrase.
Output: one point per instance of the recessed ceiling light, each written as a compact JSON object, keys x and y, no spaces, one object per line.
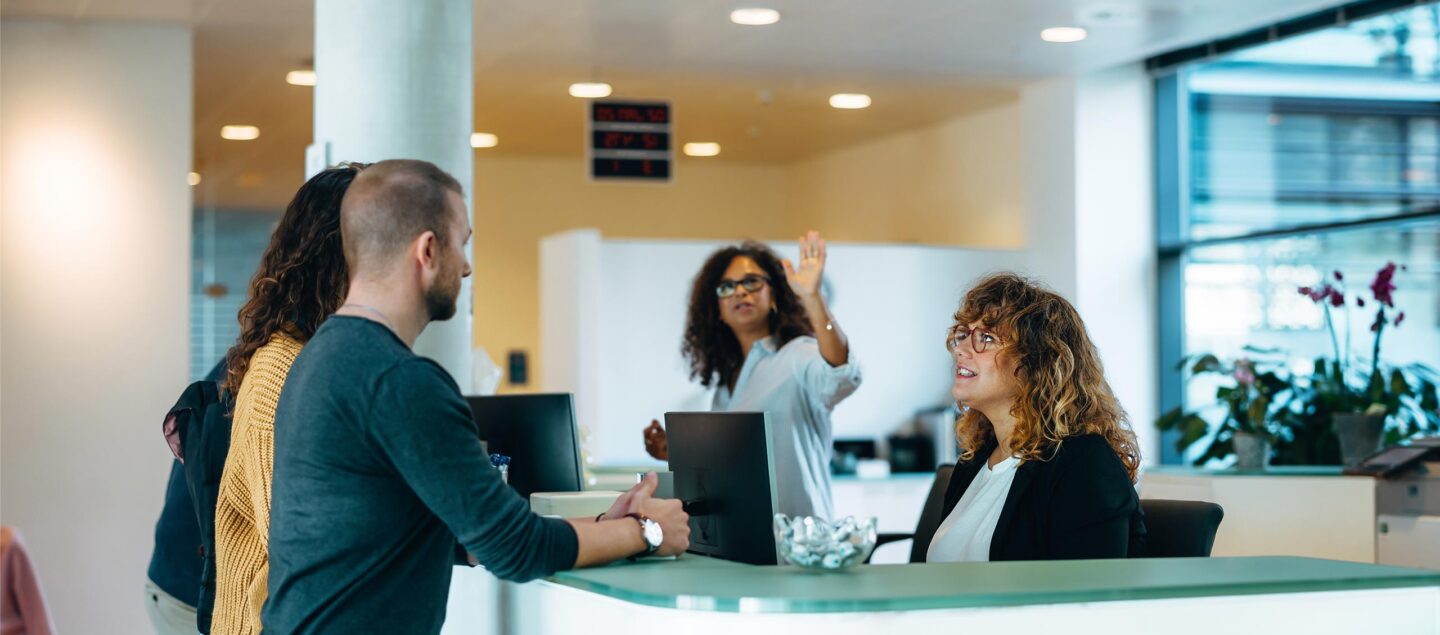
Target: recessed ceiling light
{"x":590,"y":90}
{"x":703,"y":149}
{"x":239,"y":133}
{"x":850,"y":101}
{"x":484,"y":140}
{"x":1063,"y":34}
{"x":193,"y":179}
{"x":300,"y":78}
{"x":754,"y":16}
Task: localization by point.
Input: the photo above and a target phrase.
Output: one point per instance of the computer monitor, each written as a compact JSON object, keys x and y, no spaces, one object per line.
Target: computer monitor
{"x":538,"y":433}
{"x":724,"y":471}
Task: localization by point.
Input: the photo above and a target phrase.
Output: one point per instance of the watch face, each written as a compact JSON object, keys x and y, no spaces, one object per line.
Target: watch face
{"x":653,"y":535}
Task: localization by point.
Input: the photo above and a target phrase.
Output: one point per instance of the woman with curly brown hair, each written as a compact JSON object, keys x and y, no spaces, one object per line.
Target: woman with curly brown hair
{"x":760,"y":332}
{"x":1048,"y":460}
{"x":301,"y":281}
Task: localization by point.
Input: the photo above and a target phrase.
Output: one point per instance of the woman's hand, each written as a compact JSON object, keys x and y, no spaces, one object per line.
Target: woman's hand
{"x":657,"y":445}
{"x":805,"y":281}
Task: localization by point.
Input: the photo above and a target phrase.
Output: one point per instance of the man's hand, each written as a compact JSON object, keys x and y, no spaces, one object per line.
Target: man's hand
{"x":657,"y":444}
{"x":621,"y":507}
{"x":674,"y":522}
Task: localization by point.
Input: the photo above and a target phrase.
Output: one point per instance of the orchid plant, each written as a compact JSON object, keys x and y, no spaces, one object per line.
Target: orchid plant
{"x":1255,"y":397}
{"x":1406,"y":395}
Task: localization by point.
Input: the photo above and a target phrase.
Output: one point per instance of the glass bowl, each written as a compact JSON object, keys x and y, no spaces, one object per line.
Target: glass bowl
{"x":816,"y":543}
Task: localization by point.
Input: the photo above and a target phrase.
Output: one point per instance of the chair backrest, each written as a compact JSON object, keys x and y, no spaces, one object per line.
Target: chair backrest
{"x":930,"y":514}
{"x":1180,"y":529}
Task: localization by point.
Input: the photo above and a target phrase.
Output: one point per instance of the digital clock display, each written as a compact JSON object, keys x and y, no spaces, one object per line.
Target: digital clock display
{"x":630,"y":113}
{"x":629,"y":141}
{"x":614,"y":140}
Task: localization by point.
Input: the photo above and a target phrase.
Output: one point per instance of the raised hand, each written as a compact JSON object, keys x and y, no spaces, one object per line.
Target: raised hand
{"x":657,"y":445}
{"x":805,"y":280}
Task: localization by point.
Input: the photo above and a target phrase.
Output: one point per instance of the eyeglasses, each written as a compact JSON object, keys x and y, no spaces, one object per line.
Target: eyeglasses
{"x":980,"y":341}
{"x":751,"y":284}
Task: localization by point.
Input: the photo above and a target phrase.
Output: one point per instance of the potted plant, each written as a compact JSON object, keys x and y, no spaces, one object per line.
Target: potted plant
{"x":1357,"y":397}
{"x":1252,"y":405}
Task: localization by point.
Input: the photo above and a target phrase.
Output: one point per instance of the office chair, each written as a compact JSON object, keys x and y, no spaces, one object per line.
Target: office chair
{"x":929,"y":518}
{"x":1180,"y":529}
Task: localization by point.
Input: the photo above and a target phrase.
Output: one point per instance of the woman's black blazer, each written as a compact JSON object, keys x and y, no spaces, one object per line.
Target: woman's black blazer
{"x":1078,"y":504}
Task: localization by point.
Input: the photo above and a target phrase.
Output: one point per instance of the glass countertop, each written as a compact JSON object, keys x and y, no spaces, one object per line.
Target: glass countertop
{"x":699,"y":583}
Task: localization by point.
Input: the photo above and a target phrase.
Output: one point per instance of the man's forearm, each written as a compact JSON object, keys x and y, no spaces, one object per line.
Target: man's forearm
{"x":606,"y":541}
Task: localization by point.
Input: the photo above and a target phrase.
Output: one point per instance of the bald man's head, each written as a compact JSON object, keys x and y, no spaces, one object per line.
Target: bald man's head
{"x":388,"y":205}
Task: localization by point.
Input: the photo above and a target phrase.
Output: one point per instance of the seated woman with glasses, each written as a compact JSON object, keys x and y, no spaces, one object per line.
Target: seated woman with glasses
{"x":759,"y":331}
{"x":1048,"y":461}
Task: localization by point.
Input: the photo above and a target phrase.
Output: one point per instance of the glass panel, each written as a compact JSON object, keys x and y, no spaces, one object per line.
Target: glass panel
{"x":227,"y":245}
{"x":1332,"y":126}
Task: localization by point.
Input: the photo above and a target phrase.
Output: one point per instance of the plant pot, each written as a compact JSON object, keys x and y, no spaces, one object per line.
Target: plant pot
{"x":1252,"y":451}
{"x":1360,"y":436}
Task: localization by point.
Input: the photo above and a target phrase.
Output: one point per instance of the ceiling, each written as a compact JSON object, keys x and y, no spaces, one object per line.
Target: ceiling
{"x":758,"y":91}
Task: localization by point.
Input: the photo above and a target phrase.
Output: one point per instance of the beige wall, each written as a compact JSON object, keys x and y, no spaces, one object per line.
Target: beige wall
{"x":955,"y":183}
{"x":518,"y":201}
{"x":96,"y":262}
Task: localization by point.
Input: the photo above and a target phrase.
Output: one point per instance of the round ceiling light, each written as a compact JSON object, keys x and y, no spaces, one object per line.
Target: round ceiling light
{"x":590,"y":90}
{"x":755,"y":17}
{"x":236,"y":132}
{"x":300,"y":78}
{"x":702,"y":149}
{"x":850,"y":101}
{"x":1063,"y":34}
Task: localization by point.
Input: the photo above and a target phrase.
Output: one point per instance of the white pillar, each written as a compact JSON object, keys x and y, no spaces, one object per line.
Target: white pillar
{"x":1088,"y":185}
{"x":394,"y":81}
{"x":96,"y":275}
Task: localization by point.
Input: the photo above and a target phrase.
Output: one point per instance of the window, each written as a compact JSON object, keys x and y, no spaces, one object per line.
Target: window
{"x":1281,"y":163}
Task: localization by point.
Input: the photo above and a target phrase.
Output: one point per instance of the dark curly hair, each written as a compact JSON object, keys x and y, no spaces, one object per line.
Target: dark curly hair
{"x":302,"y":277}
{"x":710,"y":346}
{"x":1063,"y":391}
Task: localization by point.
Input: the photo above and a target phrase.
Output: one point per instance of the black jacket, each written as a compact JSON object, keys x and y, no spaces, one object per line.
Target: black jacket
{"x":1077,"y":504}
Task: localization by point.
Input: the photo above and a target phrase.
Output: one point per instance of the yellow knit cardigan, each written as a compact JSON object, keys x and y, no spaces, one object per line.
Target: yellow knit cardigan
{"x":242,"y":513}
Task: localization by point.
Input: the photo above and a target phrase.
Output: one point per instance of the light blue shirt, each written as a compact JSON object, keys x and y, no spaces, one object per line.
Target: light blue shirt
{"x":799,"y":389}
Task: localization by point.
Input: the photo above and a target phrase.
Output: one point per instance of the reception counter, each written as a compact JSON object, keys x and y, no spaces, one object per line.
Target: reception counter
{"x":701,"y":595}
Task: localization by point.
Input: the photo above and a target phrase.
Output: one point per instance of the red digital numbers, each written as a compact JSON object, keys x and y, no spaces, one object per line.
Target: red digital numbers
{"x":632,"y":114}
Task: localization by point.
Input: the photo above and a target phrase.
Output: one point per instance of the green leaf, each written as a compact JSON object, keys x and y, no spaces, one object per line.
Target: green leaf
{"x":1170,"y":419}
{"x":1192,"y":429}
{"x":1207,"y":363}
{"x":1398,"y":385}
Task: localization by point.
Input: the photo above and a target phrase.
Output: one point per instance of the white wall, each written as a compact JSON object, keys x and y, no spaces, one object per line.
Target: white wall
{"x":894,"y":302}
{"x":96,"y":142}
{"x":1090,"y":204}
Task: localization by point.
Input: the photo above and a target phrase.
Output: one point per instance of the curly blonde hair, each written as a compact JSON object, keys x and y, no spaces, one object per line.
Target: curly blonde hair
{"x":1063,"y":392}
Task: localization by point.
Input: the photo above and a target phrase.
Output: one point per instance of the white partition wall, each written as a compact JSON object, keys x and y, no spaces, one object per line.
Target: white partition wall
{"x":894,"y":301}
{"x":95,"y":326}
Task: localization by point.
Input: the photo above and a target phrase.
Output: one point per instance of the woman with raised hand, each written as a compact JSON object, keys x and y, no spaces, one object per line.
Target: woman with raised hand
{"x":760,"y":332}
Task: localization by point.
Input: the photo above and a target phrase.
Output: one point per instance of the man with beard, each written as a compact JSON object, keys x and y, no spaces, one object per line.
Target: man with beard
{"x":378,"y":469}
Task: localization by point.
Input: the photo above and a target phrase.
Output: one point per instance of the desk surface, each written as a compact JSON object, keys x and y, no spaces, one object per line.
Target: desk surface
{"x":700,"y":583}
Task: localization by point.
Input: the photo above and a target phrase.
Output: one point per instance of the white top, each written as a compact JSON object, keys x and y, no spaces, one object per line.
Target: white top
{"x":799,"y":389}
{"x":965,"y":534}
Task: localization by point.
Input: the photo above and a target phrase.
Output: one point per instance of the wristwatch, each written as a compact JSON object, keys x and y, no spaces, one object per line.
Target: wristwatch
{"x":650,"y":532}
